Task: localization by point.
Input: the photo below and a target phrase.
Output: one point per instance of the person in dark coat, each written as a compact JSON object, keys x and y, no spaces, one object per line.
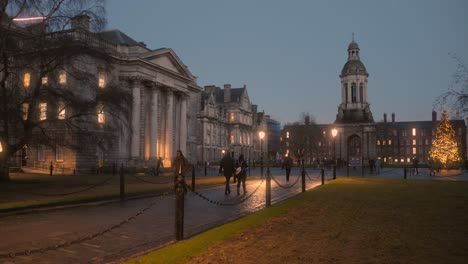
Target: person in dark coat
{"x":241,"y":167}
{"x":287,"y":164}
{"x":227,"y":166}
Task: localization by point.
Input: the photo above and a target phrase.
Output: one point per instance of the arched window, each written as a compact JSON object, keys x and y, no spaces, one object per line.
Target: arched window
{"x":361,"y":92}
{"x":345,"y":87}
{"x":353,"y":93}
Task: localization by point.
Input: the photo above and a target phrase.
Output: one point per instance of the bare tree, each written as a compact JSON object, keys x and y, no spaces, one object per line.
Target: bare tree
{"x":41,"y":43}
{"x":455,"y":99}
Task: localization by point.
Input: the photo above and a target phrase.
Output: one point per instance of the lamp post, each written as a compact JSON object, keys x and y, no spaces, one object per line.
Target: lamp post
{"x":334,"y":133}
{"x":261,"y":135}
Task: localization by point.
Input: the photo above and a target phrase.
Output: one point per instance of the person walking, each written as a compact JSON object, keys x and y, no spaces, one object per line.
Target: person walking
{"x":287,"y":164}
{"x":159,"y":165}
{"x":241,"y":173}
{"x":227,"y":166}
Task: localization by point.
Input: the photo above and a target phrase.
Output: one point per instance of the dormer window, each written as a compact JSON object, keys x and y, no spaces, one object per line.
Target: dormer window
{"x":62,"y":77}
{"x":26,"y":79}
{"x":101,"y":80}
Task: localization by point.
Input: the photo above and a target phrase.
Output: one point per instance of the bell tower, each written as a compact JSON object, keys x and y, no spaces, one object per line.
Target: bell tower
{"x":354,"y":122}
{"x":354,"y":107}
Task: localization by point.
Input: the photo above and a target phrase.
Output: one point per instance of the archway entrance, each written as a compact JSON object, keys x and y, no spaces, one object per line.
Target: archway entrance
{"x":354,"y":151}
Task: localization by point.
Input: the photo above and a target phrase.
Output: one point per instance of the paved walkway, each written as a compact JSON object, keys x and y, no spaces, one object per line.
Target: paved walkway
{"x":153,"y":228}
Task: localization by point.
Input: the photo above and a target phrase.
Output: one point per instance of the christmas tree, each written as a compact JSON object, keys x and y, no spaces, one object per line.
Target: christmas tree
{"x":444,"y":147}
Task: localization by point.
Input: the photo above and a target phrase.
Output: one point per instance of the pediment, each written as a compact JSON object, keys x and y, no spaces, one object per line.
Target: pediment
{"x":168,"y":59}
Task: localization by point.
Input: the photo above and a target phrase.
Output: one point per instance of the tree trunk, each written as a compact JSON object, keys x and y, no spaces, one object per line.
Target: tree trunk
{"x":4,"y":170}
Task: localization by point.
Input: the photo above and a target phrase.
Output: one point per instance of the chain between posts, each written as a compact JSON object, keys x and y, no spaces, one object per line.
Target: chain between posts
{"x":245,"y":198}
{"x":74,"y":192}
{"x":87,"y":237}
{"x":317,"y":177}
{"x":285,"y":186}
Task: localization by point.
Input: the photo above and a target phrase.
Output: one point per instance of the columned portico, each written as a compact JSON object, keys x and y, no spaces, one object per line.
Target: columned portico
{"x":154,"y":124}
{"x":183,"y":124}
{"x":169,"y":140}
{"x":136,"y":110}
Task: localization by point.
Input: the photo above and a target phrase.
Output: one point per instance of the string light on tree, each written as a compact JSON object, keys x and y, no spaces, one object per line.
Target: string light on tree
{"x":444,"y":148}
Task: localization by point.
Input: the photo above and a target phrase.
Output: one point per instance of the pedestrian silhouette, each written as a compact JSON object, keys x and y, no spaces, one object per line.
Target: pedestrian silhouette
{"x":287,"y":164}
{"x":227,"y":166}
{"x":241,"y":173}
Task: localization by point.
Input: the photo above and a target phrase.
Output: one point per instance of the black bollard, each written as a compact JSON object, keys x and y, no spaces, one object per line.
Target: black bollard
{"x":303,"y":180}
{"x":404,"y":173}
{"x":122,"y":183}
{"x":334,"y":172}
{"x":51,"y":168}
{"x":206,"y":168}
{"x":268,"y":188}
{"x":322,"y":172}
{"x":193,"y":178}
{"x":179,"y":208}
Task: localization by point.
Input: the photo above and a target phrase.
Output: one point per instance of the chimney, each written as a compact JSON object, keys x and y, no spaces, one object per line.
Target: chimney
{"x":385,"y":117}
{"x":434,"y":116}
{"x":80,"y":22}
{"x":227,"y":93}
{"x":393,"y":117}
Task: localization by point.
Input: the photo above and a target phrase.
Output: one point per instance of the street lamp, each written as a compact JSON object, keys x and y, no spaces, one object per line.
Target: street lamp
{"x":334,"y":133}
{"x":261,"y":135}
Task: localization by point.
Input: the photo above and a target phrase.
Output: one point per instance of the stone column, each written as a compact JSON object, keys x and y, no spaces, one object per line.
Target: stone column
{"x":135,"y":144}
{"x":154,"y":124}
{"x":169,"y":142}
{"x":183,"y":125}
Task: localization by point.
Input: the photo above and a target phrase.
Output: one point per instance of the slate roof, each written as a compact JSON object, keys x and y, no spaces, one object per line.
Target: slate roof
{"x":119,"y":37}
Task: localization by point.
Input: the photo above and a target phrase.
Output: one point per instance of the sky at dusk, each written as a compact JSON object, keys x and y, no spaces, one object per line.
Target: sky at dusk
{"x":289,"y":54}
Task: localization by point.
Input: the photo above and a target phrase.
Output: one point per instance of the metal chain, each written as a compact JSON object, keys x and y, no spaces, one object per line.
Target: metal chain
{"x":307,"y":174}
{"x":245,"y":198}
{"x":285,"y":186}
{"x":87,"y":237}
{"x":74,"y":192}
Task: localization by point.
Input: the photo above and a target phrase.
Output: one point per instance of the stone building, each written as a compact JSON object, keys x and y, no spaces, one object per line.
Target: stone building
{"x":226,"y":123}
{"x":165,"y":100}
{"x":354,"y":121}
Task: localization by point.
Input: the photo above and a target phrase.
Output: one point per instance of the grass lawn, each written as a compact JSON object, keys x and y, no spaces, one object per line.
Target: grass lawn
{"x":19,"y":192}
{"x":354,"y":220}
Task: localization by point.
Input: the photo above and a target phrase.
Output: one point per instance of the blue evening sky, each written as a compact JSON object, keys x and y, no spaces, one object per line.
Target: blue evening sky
{"x":290,"y":53}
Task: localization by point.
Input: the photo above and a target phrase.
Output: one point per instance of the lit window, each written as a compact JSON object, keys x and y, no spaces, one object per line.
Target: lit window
{"x":102,"y":81}
{"x":25,"y":109}
{"x":233,"y":116}
{"x":378,"y":142}
{"x":414,"y":142}
{"x":396,"y":160}
{"x":62,"y":77}
{"x":59,"y":153}
{"x":287,"y":134}
{"x":43,"y":111}
{"x":383,"y":142}
{"x":385,"y":159}
{"x":408,"y":159}
{"x":101,"y":115}
{"x":402,"y":160}
{"x":414,"y":151}
{"x":44,"y":80}
{"x":27,"y":79}
{"x":61,"y":111}
{"x":414,"y":132}
{"x":1,"y":147}
{"x":389,"y":141}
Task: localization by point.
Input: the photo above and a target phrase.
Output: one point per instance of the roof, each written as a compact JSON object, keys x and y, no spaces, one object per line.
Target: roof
{"x":353,"y":67}
{"x":353,"y":45}
{"x":119,"y":37}
{"x":236,"y":93}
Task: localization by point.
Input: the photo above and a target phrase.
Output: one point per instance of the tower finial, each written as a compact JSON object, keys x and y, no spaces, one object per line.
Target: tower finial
{"x":353,"y":36}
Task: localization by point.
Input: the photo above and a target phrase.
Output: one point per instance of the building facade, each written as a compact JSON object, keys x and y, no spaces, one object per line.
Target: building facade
{"x":165,"y":100}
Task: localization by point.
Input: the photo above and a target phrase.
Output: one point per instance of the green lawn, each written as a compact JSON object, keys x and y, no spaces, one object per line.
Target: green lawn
{"x":346,"y":221}
{"x":21,"y":191}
